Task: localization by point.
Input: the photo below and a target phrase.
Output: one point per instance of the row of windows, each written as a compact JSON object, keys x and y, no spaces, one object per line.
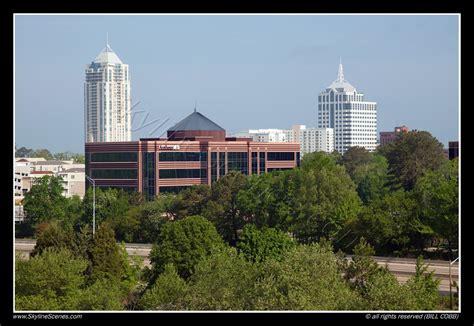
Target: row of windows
{"x":280,"y":156}
{"x":183,"y":156}
{"x":213,"y":167}
{"x":114,"y":157}
{"x":254,"y":163}
{"x":237,"y":161}
{"x":149,"y":175}
{"x":183,"y":173}
{"x":114,"y":174}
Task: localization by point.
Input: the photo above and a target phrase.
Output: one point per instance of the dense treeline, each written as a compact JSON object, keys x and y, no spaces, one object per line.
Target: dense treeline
{"x":269,"y":241}
{"x":46,"y":154}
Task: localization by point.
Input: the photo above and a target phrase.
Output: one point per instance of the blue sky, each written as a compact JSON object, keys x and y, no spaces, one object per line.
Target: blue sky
{"x":244,"y":71}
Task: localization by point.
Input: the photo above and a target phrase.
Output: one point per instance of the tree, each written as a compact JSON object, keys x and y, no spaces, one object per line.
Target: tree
{"x":306,"y":279}
{"x":78,"y":158}
{"x":392,"y":223}
{"x":354,"y":158}
{"x":362,"y":266}
{"x":111,"y":206}
{"x":322,"y":198}
{"x":183,"y":243}
{"x":103,"y":294}
{"x":44,"y":153}
{"x":150,"y":218}
{"x":24,"y":152}
{"x":51,"y":235}
{"x":191,"y":201}
{"x":45,"y":200}
{"x":105,"y":255}
{"x":223,"y":209}
{"x":49,"y":280}
{"x":223,"y":280}
{"x":412,"y":155}
{"x":372,"y":179}
{"x":424,"y":286}
{"x":258,"y":199}
{"x":259,"y":245}
{"x":167,"y":293}
{"x":438,"y":196}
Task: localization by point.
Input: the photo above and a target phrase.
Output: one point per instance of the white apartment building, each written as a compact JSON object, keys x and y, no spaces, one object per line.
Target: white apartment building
{"x":22,"y":170}
{"x":73,"y":182}
{"x":354,"y":120}
{"x":107,"y":102}
{"x":314,"y":139}
{"x":54,"y":165}
{"x":310,"y":139}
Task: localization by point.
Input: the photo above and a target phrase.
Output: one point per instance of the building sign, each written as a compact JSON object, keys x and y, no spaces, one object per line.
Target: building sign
{"x":169,"y":147}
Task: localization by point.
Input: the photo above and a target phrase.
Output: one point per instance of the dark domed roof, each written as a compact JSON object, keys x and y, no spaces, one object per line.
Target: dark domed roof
{"x":196,"y":121}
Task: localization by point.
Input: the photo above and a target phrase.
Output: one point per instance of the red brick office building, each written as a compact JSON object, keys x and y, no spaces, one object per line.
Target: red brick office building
{"x":195,"y":151}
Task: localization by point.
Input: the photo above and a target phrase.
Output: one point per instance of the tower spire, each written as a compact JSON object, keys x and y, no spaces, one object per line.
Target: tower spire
{"x":107,"y":39}
{"x":195,"y":105}
{"x":340,"y":75}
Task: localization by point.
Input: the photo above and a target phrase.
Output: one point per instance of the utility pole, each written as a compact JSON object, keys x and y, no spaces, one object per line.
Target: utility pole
{"x":451,"y":284}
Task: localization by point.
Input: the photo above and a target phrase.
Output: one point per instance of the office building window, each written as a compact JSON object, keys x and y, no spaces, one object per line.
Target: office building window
{"x":213,"y":167}
{"x":183,"y":156}
{"x":254,"y":163}
{"x":281,"y":156}
{"x":262,"y":162}
{"x":149,"y":175}
{"x":114,"y":174}
{"x":237,"y":161}
{"x":183,"y":173}
{"x":221,"y":164}
{"x":114,"y":157}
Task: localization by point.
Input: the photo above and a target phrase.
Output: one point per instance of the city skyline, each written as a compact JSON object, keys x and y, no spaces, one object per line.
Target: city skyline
{"x":270,"y":67}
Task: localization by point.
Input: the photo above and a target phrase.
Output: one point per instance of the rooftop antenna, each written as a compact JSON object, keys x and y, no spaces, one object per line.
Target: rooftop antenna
{"x":340,"y":75}
{"x":195,"y":105}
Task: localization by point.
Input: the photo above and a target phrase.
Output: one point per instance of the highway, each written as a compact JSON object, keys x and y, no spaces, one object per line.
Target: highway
{"x":402,"y":268}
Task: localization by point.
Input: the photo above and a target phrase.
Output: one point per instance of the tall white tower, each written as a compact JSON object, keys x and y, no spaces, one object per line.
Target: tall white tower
{"x":107,"y":103}
{"x":354,"y":120}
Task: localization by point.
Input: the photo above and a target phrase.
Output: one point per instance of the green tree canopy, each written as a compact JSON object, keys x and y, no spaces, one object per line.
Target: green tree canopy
{"x":223,"y":209}
{"x":372,"y":179}
{"x":47,"y":281}
{"x":183,"y":243}
{"x":354,"y":158}
{"x":438,"y":196}
{"x":323,"y":198}
{"x":306,"y":279}
{"x":412,"y":155}
{"x":105,"y":255}
{"x":258,"y":245}
{"x":167,"y":293}
{"x":191,"y":201}
{"x":392,"y":223}
{"x":45,"y":201}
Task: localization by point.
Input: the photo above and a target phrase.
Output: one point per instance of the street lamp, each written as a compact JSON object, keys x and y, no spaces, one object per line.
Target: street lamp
{"x":450,"y":284}
{"x":93,"y":204}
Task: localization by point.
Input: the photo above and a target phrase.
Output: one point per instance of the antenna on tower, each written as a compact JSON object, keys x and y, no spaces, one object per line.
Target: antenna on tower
{"x":107,"y":38}
{"x":340,"y":75}
{"x":195,"y":105}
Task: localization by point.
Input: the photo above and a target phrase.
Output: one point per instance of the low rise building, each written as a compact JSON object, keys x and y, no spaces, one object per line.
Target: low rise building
{"x":73,"y":182}
{"x":195,"y":151}
{"x":387,"y":137}
{"x":310,"y":139}
{"x":453,"y":149}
